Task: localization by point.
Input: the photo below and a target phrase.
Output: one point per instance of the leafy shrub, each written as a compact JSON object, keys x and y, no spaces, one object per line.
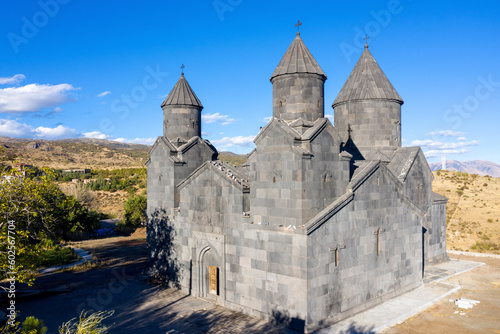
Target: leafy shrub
{"x":135,"y":210}
{"x":33,"y":325}
{"x":87,"y":324}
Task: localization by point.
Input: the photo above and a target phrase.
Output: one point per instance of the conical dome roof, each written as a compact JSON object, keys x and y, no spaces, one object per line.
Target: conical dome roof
{"x":297,"y":59}
{"x":367,"y":81}
{"x":182,"y":94}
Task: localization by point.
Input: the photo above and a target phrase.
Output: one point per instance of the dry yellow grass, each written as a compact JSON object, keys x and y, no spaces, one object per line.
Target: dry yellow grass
{"x":110,"y":203}
{"x":473,"y":210}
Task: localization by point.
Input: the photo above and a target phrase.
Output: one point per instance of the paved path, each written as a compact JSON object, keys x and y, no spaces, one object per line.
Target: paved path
{"x":397,"y":310}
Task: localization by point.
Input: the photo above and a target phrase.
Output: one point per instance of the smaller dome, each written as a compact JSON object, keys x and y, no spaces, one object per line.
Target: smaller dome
{"x":182,"y":94}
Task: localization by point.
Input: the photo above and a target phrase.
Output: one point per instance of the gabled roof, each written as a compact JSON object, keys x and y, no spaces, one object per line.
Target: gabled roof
{"x":436,"y":198}
{"x":366,"y":170}
{"x":176,"y":152}
{"x":377,"y":155}
{"x":236,"y":177}
{"x":402,"y":160}
{"x":367,"y":81}
{"x":182,"y":94}
{"x":295,"y":137}
{"x":297,"y":59}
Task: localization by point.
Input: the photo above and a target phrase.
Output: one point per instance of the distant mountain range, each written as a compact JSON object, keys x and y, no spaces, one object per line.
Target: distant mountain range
{"x":480,"y":167}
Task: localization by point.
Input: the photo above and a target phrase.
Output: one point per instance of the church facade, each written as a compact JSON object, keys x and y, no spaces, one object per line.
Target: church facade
{"x":323,"y":221}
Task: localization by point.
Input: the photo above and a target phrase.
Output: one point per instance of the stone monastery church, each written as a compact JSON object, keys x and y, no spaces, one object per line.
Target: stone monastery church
{"x":323,"y":221}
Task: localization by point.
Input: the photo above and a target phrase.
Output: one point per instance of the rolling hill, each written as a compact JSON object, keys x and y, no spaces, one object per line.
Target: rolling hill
{"x":72,"y":153}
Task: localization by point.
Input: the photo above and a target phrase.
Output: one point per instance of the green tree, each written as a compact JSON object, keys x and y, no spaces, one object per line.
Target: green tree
{"x":31,"y":211}
{"x":135,"y":210}
{"x":75,"y":217}
{"x":27,"y":215}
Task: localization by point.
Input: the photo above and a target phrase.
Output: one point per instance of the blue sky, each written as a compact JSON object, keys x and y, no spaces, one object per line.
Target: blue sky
{"x":102,"y":68}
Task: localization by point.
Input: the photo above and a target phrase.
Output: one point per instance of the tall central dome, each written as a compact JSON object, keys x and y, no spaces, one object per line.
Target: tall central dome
{"x":298,"y":85}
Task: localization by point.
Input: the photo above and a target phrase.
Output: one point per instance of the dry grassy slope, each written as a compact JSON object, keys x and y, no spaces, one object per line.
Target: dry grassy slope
{"x":72,"y":153}
{"x":473,"y":210}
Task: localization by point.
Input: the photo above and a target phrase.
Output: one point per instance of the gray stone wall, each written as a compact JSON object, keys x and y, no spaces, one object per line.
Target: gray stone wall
{"x":363,"y":278}
{"x":276,"y":177}
{"x":298,"y":95}
{"x":291,"y":183}
{"x":267,"y":273}
{"x":375,"y":124}
{"x":181,"y":121}
{"x":161,"y":180}
{"x":165,"y":173}
{"x":263,"y":268}
{"x":435,"y":235}
{"x":192,"y":158}
{"x":326,"y":175}
{"x":418,"y":183}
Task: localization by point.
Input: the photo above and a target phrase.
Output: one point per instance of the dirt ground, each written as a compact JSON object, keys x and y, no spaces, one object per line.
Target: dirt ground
{"x":482,"y":284}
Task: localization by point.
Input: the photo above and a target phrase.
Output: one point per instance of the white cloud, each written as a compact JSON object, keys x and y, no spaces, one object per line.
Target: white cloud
{"x":96,"y":135}
{"x":461,"y":138}
{"x":58,"y":132}
{"x":330,"y":117}
{"x":12,"y":128}
{"x":143,"y":141}
{"x":267,"y":119}
{"x":434,"y":148}
{"x":34,"y":97}
{"x":206,"y":134}
{"x":446,"y":133}
{"x":12,"y":80}
{"x":432,"y":144}
{"x":439,"y":153}
{"x":228,"y":142}
{"x":104,"y":93}
{"x":212,"y":118}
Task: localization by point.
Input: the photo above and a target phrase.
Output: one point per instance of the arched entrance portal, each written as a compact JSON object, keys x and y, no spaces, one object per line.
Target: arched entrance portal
{"x":210,"y":273}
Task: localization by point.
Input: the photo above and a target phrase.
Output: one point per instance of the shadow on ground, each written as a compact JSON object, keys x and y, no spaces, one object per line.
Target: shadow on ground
{"x":357,"y":329}
{"x":140,"y":308}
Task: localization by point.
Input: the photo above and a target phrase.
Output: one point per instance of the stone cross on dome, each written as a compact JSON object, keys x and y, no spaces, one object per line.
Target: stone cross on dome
{"x":298,"y":27}
{"x":182,"y":69}
{"x":366,"y":41}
